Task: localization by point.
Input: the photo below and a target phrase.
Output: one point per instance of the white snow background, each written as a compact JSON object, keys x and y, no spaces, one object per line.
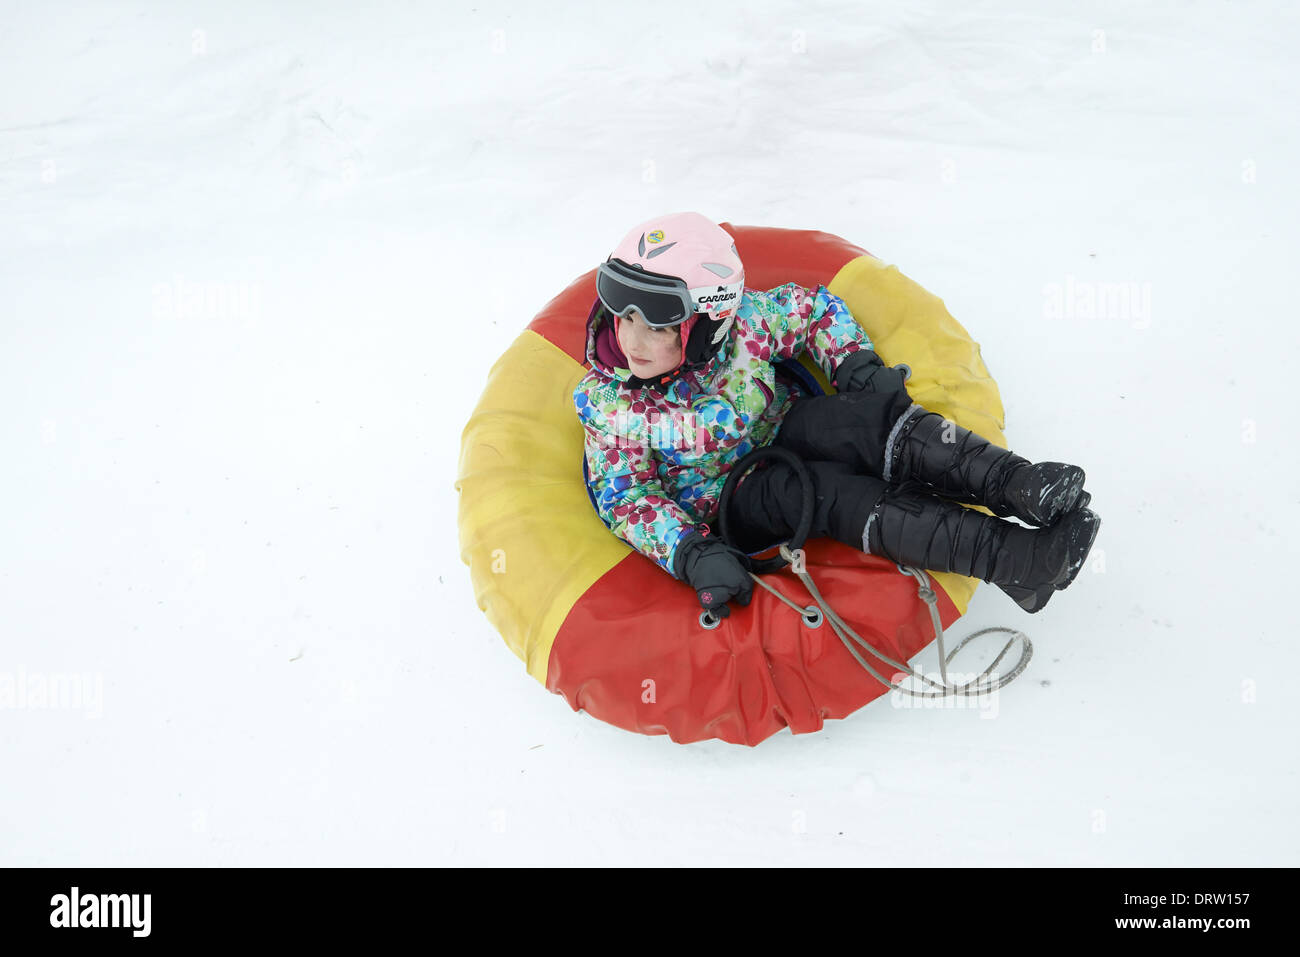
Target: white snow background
{"x":241,"y":519}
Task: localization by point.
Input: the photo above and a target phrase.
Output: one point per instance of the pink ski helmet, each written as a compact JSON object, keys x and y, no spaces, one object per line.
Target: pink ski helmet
{"x":679,"y":269}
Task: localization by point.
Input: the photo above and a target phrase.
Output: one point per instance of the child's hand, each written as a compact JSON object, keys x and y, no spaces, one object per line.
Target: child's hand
{"x":864,"y":371}
{"x":715,"y":572}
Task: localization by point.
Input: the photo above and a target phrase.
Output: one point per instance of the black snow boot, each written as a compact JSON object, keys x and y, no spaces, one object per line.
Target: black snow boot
{"x":965,"y":467}
{"x":911,"y":526}
{"x":1080,"y":528}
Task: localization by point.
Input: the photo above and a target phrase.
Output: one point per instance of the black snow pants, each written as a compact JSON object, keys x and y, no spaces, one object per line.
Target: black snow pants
{"x":841,"y":438}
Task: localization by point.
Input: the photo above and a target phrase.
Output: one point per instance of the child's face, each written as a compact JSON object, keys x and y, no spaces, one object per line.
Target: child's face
{"x":650,"y":351}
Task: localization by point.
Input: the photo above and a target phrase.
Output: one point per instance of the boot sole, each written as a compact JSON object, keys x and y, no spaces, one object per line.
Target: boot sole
{"x":1030,"y":599}
{"x":1065,"y":499}
{"x":1080,"y":546}
{"x":1057,"y":502}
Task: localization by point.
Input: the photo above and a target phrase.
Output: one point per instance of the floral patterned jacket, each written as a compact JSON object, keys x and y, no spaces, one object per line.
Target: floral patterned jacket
{"x":656,"y":462}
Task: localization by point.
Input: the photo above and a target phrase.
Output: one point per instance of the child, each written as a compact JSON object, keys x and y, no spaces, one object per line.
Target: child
{"x":684,"y":383}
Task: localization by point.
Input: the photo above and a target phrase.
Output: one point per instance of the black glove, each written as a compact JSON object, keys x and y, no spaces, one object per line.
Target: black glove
{"x":714,"y":570}
{"x":864,"y":371}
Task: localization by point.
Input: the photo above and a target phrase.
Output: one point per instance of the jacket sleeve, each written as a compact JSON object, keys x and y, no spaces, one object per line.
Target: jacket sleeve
{"x":629,"y":496}
{"x":815,"y":321}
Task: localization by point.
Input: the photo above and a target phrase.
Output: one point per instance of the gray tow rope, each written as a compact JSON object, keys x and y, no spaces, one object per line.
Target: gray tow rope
{"x":814,"y":614}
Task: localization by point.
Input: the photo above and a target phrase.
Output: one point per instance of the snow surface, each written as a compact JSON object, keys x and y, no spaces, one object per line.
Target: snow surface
{"x":242,"y":520}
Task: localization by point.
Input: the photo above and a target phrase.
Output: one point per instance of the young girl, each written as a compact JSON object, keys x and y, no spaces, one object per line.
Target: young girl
{"x":684,"y":383}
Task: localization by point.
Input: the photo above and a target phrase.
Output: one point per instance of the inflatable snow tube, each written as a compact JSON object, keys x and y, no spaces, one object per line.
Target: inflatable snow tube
{"x":616,"y":636}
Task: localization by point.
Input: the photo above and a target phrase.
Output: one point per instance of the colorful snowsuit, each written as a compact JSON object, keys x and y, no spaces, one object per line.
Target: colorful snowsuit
{"x":657,"y":462}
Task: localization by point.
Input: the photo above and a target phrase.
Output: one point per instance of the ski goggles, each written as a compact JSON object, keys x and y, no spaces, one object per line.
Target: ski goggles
{"x":662,"y":300}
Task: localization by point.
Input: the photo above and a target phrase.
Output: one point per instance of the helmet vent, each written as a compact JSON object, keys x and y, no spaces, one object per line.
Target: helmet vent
{"x":655,"y":252}
{"x":718,"y":269}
